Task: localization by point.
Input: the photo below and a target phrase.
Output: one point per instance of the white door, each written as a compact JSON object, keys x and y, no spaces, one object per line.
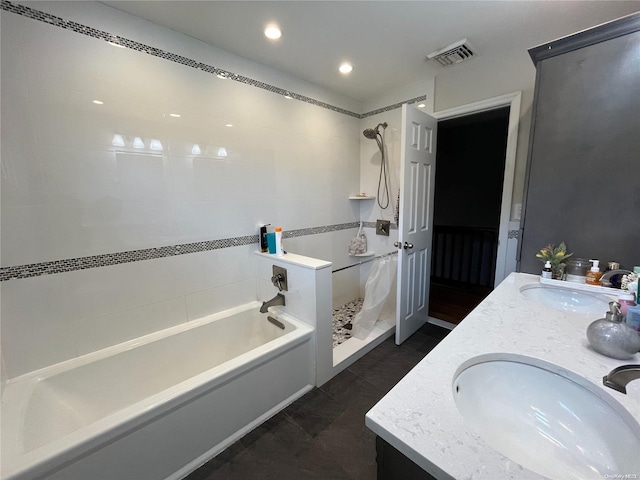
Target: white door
{"x":417,"y":173}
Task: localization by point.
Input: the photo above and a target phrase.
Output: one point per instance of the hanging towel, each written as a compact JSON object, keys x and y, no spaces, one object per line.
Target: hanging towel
{"x":376,"y":291}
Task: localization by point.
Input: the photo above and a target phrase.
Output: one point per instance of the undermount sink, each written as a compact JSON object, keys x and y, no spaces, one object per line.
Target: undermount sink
{"x":567,"y":299}
{"x":556,"y":424}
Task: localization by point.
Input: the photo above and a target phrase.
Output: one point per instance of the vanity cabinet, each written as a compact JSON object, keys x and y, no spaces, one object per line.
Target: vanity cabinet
{"x":583,"y":173}
{"x":394,"y":465}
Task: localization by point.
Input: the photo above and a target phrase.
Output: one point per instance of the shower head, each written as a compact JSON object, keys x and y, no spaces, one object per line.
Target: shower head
{"x":372,"y":133}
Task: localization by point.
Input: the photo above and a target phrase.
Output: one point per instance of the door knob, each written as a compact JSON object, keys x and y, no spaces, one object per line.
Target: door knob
{"x":408,"y":246}
{"x":397,"y":245}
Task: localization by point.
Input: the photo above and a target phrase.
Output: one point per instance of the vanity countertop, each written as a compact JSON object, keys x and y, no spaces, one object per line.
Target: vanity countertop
{"x":419,"y":416}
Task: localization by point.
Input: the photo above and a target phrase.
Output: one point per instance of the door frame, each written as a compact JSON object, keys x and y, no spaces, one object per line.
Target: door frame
{"x":511,"y":100}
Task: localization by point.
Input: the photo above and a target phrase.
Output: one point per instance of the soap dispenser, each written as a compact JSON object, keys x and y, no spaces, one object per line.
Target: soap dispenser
{"x":612,"y":337}
{"x":594,"y":274}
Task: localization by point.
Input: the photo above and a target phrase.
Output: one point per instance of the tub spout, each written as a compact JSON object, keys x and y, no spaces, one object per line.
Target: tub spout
{"x":619,"y":377}
{"x":277,"y":300}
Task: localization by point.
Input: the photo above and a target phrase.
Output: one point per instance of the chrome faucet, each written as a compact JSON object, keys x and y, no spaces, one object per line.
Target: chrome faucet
{"x":619,"y":377}
{"x":605,"y":279}
{"x":277,"y":300}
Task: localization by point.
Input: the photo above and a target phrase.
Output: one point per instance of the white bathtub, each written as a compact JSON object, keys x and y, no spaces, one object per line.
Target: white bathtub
{"x":158,"y":406}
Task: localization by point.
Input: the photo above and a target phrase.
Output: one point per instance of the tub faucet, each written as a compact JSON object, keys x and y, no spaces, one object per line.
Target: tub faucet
{"x":277,"y":300}
{"x":605,"y":279}
{"x":619,"y":377}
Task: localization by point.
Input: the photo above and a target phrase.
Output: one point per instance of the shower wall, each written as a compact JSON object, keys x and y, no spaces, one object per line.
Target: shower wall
{"x":136,"y":212}
{"x":100,"y":201}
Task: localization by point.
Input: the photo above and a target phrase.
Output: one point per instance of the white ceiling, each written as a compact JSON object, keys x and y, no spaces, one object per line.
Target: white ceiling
{"x":386,"y":41}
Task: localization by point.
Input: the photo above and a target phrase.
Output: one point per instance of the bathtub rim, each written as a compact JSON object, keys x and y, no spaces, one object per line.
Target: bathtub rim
{"x":55,"y":455}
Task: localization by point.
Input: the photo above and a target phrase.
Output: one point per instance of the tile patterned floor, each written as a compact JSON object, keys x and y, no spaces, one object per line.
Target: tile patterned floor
{"x":342,"y":317}
{"x":322,"y":435}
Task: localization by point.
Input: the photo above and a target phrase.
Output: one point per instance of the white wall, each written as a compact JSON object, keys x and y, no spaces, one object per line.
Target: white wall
{"x":68,"y":192}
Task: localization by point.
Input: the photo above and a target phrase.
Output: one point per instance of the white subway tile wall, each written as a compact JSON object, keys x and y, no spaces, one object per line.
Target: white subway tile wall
{"x":74,"y":198}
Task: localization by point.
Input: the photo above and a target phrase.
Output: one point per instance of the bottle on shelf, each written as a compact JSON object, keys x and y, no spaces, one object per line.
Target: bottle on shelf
{"x":279,"y":250}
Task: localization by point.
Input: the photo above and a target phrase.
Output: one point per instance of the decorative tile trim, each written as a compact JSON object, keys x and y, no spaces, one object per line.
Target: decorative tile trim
{"x":94,"y":261}
{"x":514,"y":234}
{"x":388,"y":108}
{"x":172,"y":57}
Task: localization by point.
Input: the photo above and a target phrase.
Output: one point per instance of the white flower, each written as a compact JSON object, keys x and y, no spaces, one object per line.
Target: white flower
{"x":627,"y":280}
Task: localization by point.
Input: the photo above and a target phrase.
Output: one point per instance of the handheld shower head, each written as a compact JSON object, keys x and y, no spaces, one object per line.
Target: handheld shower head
{"x":383,"y":192}
{"x":372,"y":133}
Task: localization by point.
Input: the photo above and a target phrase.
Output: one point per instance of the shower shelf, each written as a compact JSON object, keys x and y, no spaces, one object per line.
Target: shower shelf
{"x":362,"y":197}
{"x":365,"y":254}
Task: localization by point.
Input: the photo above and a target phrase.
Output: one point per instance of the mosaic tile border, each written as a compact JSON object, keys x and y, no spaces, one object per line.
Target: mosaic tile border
{"x":172,"y":57}
{"x":94,"y":261}
{"x":514,"y":234}
{"x":388,"y":108}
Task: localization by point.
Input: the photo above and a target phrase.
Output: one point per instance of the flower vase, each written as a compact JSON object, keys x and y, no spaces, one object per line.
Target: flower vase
{"x":557,"y":272}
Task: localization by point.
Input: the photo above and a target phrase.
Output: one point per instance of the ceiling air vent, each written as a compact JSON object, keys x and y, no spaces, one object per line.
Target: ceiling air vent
{"x":454,"y":53}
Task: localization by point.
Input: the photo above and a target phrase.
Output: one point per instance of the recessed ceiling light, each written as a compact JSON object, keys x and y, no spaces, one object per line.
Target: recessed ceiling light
{"x":229,"y":125}
{"x":422,"y":105}
{"x":345,"y":68}
{"x":272,"y":32}
{"x":98,"y":102}
{"x":174,"y":115}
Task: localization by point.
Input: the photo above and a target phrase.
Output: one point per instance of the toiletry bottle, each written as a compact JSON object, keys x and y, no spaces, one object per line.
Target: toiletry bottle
{"x":546,"y":271}
{"x":594,"y":274}
{"x":633,"y":317}
{"x":264,"y":248}
{"x":612,"y":337}
{"x":279,"y":250}
{"x":625,"y":299}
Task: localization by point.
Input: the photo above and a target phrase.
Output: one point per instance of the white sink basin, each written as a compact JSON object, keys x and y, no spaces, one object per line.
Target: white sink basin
{"x":567,"y":299}
{"x":557,"y":425}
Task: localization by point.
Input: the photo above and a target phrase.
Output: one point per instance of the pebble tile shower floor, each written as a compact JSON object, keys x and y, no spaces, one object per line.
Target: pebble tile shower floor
{"x":322,"y":436}
{"x":342,"y":317}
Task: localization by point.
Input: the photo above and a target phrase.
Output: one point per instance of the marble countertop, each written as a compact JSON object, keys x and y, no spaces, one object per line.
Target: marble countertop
{"x":419,"y":416}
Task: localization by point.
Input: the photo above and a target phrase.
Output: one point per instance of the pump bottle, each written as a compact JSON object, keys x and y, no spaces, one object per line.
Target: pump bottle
{"x":594,"y":274}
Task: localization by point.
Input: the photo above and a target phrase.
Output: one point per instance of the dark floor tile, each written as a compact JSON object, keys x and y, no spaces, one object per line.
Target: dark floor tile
{"x":387,"y":374}
{"x":350,"y":389}
{"x":272,"y":425}
{"x":281,"y":439}
{"x":206,"y":471}
{"x":314,"y":411}
{"x":354,"y":451}
{"x":281,"y":454}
